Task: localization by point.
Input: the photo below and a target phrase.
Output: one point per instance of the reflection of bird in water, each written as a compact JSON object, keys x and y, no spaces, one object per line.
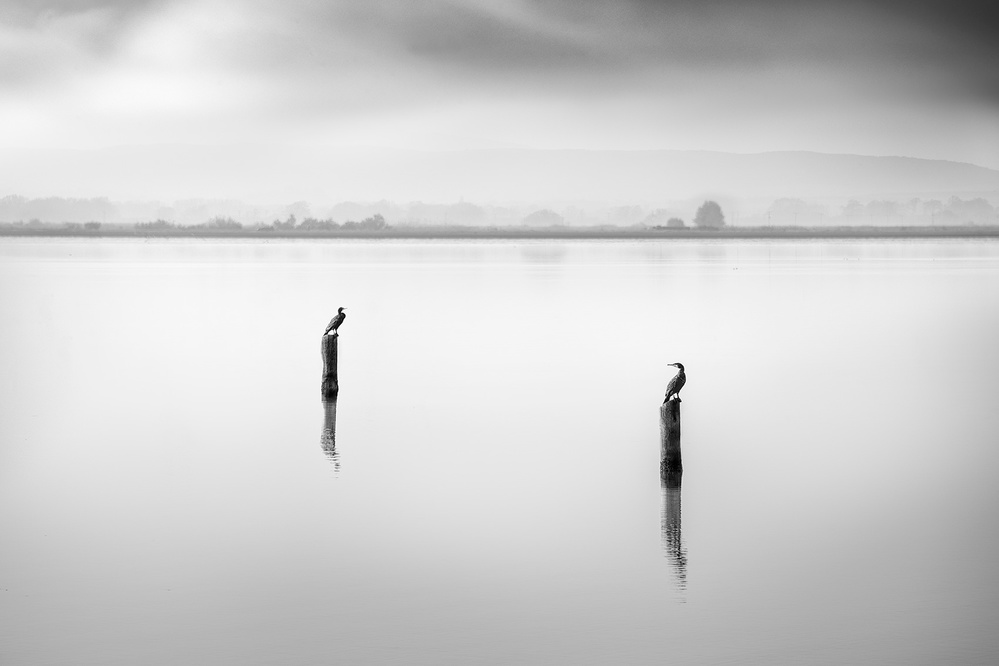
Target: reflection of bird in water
{"x":675,"y":384}
{"x":336,"y":321}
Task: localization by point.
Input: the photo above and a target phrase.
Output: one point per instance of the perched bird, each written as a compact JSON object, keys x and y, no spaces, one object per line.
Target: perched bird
{"x":675,"y":384}
{"x":336,"y":321}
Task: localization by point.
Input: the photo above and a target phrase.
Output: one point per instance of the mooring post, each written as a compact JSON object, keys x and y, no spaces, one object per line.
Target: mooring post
{"x":330,"y":386}
{"x":670,"y":465}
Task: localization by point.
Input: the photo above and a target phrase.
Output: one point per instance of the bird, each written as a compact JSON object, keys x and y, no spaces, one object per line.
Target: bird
{"x":336,"y":321}
{"x":675,"y":384}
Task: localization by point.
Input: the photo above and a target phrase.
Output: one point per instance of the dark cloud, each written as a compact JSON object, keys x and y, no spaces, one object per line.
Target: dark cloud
{"x":876,"y":76}
{"x":62,"y":6}
{"x":949,"y":46}
{"x":943,"y":46}
{"x":473,"y":35}
{"x":959,"y":30}
{"x":479,"y":38}
{"x":27,"y":11}
{"x":56,"y":35}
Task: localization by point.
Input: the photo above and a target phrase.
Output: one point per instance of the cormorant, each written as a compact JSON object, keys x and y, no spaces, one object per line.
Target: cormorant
{"x":336,"y":321}
{"x":675,"y":384}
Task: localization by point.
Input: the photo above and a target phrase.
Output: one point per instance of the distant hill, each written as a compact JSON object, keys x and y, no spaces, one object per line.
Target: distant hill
{"x":556,"y":177}
{"x":641,"y":177}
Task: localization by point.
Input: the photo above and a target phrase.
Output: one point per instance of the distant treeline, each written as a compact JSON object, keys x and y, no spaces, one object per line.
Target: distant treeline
{"x":709,"y":215}
{"x":222,"y":229}
{"x":215,"y":226}
{"x":373,"y":223}
{"x":882,"y":212}
{"x":228,"y":216}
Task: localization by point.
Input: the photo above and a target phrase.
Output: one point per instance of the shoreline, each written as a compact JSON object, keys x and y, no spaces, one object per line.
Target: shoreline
{"x":472,"y":233}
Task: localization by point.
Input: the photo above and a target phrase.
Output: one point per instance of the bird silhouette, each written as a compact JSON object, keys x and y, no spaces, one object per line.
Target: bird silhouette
{"x":336,"y":321}
{"x":675,"y":384}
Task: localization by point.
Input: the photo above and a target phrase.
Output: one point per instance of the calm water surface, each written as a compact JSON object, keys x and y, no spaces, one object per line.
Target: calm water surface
{"x":171,"y":491}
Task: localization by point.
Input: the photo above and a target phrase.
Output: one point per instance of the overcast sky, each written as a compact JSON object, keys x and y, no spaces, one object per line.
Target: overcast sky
{"x":879,"y":78}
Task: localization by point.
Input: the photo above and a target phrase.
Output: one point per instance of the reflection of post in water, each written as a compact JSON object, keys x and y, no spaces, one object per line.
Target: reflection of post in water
{"x":328,"y":439}
{"x":672,"y":535}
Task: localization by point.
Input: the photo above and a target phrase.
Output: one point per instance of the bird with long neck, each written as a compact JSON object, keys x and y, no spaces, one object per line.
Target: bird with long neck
{"x":675,"y":384}
{"x":336,"y":321}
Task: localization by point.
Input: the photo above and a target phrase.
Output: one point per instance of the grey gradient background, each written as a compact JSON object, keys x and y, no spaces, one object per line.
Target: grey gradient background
{"x":320,"y":78}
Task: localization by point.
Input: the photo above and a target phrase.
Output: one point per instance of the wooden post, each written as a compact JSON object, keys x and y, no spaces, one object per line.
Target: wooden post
{"x":330,"y":386}
{"x":670,"y":465}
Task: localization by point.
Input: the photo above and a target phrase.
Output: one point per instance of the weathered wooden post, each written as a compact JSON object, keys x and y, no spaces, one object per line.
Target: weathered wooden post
{"x":670,"y":463}
{"x":331,"y":386}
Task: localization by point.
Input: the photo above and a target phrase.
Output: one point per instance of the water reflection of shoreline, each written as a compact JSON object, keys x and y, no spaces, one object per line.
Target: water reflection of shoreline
{"x":328,"y":438}
{"x":672,"y":535}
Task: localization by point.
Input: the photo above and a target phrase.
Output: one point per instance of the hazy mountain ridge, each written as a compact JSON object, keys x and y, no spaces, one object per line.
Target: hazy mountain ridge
{"x":645,"y":176}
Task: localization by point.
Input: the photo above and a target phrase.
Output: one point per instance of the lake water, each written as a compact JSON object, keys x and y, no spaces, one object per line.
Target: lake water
{"x":168,"y":494}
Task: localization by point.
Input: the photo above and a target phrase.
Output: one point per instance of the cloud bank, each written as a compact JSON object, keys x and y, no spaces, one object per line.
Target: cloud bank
{"x":883,"y":77}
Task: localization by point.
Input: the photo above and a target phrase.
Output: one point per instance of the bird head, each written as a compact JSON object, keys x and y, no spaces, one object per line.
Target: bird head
{"x":340,"y":309}
{"x":677,"y":365}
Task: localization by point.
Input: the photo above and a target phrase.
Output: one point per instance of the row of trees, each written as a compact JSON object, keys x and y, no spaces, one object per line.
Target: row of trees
{"x":708,"y":216}
{"x":786,"y":212}
{"x":375,"y":222}
{"x":934,"y":212}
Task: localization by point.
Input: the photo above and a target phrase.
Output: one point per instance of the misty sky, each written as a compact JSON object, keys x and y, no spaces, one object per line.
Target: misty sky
{"x":884,"y":77}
